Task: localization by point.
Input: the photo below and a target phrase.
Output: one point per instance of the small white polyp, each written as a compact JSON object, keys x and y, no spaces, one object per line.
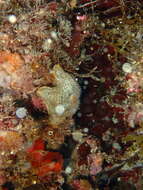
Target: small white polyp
{"x":12,"y":19}
{"x":68,"y":170}
{"x":127,"y":68}
{"x":21,"y":112}
{"x":54,"y":35}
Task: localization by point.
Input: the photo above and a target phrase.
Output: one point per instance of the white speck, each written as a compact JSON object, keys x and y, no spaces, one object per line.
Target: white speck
{"x":94,"y":101}
{"x":86,"y":82}
{"x":119,"y":179}
{"x":85,"y":32}
{"x":12,"y":19}
{"x":3,"y":153}
{"x":85,"y":130}
{"x":47,"y":44}
{"x":132,"y":34}
{"x":60,"y":109}
{"x":127,"y":68}
{"x":68,"y":170}
{"x":54,"y":35}
{"x":21,"y":112}
{"x":103,"y":25}
{"x":105,"y":50}
{"x":79,"y":17}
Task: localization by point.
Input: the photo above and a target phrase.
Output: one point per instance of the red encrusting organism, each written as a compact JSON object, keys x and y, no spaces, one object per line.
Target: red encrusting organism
{"x":42,"y":161}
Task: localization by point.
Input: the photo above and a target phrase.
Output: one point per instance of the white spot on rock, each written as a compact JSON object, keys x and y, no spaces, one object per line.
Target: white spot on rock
{"x":47,"y":44}
{"x":68,"y":170}
{"x":21,"y":112}
{"x":12,"y":19}
{"x":127,"y":68}
{"x":54,"y":35}
{"x":85,"y":130}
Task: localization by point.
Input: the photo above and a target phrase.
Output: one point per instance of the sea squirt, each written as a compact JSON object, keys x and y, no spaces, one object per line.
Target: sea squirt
{"x":61,"y":100}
